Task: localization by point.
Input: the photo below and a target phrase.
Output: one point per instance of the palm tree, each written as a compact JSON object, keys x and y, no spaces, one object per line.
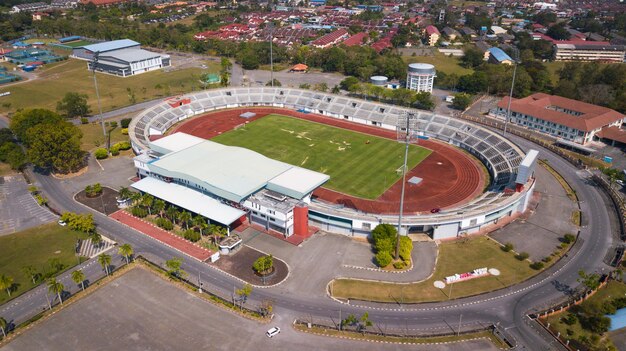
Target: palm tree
{"x":96,"y":239}
{"x":126,"y":250}
{"x":171,"y":213}
{"x":135,"y":197}
{"x":125,"y":193}
{"x":79,"y":278}
{"x":147,"y":200}
{"x":105,"y":261}
{"x":201,"y":223}
{"x":217,"y":231}
{"x":159,"y":206}
{"x":184,"y":218}
{"x":3,"y":327}
{"x":30,"y":272}
{"x":6,"y":283}
{"x":56,"y":287}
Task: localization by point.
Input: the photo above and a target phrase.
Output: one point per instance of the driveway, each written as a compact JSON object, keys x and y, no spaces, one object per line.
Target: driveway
{"x":18,"y":208}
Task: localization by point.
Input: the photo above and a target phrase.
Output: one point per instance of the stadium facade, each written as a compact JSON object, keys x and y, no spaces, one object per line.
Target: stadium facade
{"x":511,"y":170}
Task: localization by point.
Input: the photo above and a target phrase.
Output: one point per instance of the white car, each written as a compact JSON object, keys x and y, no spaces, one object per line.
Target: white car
{"x":62,"y":223}
{"x":270,"y":333}
{"x":620,"y":182}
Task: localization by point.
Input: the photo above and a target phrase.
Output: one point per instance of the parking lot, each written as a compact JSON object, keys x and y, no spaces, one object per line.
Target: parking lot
{"x":141,"y":311}
{"x":18,"y":209}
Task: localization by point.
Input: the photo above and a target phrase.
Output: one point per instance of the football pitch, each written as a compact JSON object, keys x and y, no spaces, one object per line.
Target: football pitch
{"x":358,"y":164}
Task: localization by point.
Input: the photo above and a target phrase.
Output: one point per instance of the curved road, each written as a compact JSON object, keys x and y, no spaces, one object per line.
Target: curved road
{"x":508,"y":307}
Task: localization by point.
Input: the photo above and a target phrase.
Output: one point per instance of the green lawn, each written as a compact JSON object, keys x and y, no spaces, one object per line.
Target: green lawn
{"x":93,"y":137}
{"x":612,"y":290}
{"x":441,"y":62}
{"x":35,"y":247}
{"x":72,"y":76}
{"x":355,"y":166}
{"x":454,"y":257}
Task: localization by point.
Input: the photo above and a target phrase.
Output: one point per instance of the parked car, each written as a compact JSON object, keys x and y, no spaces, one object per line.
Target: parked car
{"x":274,"y":331}
{"x":62,"y":223}
{"x":620,"y":182}
{"x":435,"y":210}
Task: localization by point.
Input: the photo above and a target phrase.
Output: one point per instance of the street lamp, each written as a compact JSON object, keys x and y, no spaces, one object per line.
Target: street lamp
{"x":406,"y":121}
{"x":94,"y":63}
{"x":508,"y":110}
{"x":271,"y":26}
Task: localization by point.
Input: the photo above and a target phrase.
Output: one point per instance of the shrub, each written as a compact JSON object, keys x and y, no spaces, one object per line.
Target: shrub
{"x":191,"y":235}
{"x":522,"y":256}
{"x":122,"y":145}
{"x":569,"y":238}
{"x":115,"y":150}
{"x":536,"y":265}
{"x":125,"y":122}
{"x":101,"y":154}
{"x":113,"y":124}
{"x":33,"y":189}
{"x":139,"y":212}
{"x":399,"y":265}
{"x":164,"y":223}
{"x":41,"y":200}
{"x":569,"y":332}
{"x":406,"y":246}
{"x":84,"y":120}
{"x":507,"y":247}
{"x":263,"y":264}
{"x":383,"y":258}
{"x":384,"y":245}
{"x":547,"y":259}
{"x":124,"y":131}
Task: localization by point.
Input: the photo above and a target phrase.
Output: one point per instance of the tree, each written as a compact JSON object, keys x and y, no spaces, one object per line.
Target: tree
{"x":174,"y":267}
{"x":250,"y":61}
{"x":73,"y":105}
{"x":6,"y":283}
{"x":79,"y":278}
{"x":558,"y":32}
{"x":146,"y":201}
{"x":125,"y":193}
{"x":243,"y":294}
{"x":55,"y":146}
{"x":472,"y":58}
{"x":184,"y":218}
{"x":171,"y":213}
{"x":383,"y":258}
{"x":127,"y":251}
{"x":159,"y":206}
{"x":276,"y":83}
{"x":24,"y":120}
{"x":31,"y":273}
{"x":590,"y":281}
{"x":105,"y":262}
{"x":56,"y":287}
{"x":263,"y":264}
{"x":217,"y":232}
{"x":3,"y":327}
{"x":461,"y":101}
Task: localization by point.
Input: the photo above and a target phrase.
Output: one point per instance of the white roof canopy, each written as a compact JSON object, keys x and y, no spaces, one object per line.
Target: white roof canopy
{"x":297,"y":182}
{"x":189,"y":199}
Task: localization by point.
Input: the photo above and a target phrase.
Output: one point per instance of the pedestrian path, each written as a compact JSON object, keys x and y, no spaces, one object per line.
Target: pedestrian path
{"x":168,"y":238}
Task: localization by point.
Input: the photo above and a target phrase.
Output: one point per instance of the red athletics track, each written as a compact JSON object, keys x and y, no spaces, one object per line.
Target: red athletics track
{"x":449,"y":176}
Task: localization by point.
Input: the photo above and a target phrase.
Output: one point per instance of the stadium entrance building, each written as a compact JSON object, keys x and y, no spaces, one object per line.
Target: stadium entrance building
{"x":228,"y":184}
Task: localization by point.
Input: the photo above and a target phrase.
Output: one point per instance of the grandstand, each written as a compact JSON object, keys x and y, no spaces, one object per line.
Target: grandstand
{"x":501,"y":157}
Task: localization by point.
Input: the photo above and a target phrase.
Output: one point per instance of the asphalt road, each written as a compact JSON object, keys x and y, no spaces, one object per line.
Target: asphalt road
{"x":507,"y":307}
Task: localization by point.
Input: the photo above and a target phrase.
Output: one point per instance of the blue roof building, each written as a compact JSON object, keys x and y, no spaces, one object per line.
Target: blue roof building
{"x":497,"y":55}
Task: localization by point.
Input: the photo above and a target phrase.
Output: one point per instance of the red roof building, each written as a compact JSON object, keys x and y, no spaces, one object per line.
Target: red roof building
{"x":357,"y":39}
{"x":331,"y":39}
{"x":104,"y":2}
{"x":561,"y":117}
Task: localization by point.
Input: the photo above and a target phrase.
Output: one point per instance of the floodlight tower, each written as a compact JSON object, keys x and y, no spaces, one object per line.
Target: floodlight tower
{"x":406,"y":129}
{"x":271,"y":26}
{"x":94,"y":63}
{"x":508,"y":109}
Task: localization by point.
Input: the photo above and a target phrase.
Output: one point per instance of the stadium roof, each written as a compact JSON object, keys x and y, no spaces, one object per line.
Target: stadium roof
{"x":499,"y":55}
{"x":111,"y":45}
{"x":189,"y":199}
{"x":543,"y":106}
{"x":230,"y":172}
{"x":174,"y":142}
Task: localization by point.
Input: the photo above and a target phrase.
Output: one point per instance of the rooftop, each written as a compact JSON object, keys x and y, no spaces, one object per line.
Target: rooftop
{"x":499,"y":54}
{"x":572,"y":113}
{"x":430,"y":30}
{"x":110,"y":45}
{"x":131,"y":55}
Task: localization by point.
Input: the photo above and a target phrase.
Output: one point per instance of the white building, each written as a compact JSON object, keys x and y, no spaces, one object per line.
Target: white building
{"x":226,"y":184}
{"x":589,"y":51}
{"x":420,"y":77}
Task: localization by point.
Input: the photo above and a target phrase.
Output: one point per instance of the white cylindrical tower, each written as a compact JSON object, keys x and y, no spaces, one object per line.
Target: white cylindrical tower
{"x":420,"y":77}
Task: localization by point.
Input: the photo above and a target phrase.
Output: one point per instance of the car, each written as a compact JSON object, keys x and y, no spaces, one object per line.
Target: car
{"x":273,"y":331}
{"x":62,"y":223}
{"x":435,"y":210}
{"x":620,"y":182}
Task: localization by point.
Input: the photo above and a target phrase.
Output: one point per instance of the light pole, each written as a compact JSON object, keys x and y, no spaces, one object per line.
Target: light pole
{"x":508,"y":110}
{"x":271,"y":24}
{"x":94,"y":63}
{"x":407,"y":138}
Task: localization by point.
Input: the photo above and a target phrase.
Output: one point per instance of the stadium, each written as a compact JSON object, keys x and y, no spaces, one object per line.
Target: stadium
{"x":327,"y":161}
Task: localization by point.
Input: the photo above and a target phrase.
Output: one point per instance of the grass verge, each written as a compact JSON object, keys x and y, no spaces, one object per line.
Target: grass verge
{"x":358,"y":164}
{"x":568,"y":189}
{"x":404,"y":340}
{"x":442,"y":63}
{"x":36,"y":247}
{"x":454,"y":257}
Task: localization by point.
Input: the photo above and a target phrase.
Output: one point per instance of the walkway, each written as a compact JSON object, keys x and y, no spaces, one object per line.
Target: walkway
{"x":172,"y":240}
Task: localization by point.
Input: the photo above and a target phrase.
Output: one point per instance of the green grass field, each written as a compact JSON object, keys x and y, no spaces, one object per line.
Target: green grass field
{"x":441,"y":62}
{"x":454,"y":257}
{"x":93,"y":137}
{"x":355,"y":167}
{"x":55,"y":80}
{"x":35,"y":247}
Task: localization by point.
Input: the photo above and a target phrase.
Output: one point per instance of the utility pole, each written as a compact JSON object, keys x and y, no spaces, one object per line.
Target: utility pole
{"x":94,"y":63}
{"x":508,"y":110}
{"x":407,"y":139}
